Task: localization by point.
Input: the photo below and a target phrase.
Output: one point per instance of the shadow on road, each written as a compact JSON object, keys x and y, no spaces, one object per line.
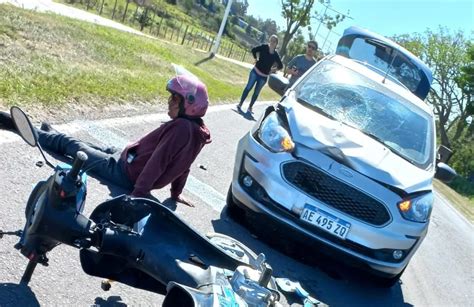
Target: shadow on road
{"x":112,"y":301}
{"x":246,"y":115}
{"x":17,"y":295}
{"x":326,"y":279}
{"x":211,"y":56}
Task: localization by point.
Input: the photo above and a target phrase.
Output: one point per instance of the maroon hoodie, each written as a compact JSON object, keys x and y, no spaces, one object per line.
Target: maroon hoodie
{"x":165,"y":155}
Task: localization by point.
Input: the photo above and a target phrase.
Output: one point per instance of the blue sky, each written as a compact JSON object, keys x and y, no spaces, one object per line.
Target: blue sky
{"x":386,"y":17}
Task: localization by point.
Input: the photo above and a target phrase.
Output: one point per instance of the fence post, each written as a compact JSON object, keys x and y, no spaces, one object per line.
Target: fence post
{"x":172,"y":32}
{"x":101,"y":7}
{"x":115,"y":7}
{"x":203,"y":40}
{"x":194,"y":39}
{"x":230,"y":52}
{"x":125,"y":12}
{"x":184,"y":36}
{"x":166,"y":31}
{"x":243,"y":57}
{"x":212,"y":43}
{"x":159,"y":27}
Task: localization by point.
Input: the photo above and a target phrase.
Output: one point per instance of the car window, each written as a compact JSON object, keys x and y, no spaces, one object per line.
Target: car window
{"x":386,"y":59}
{"x":369,"y":106}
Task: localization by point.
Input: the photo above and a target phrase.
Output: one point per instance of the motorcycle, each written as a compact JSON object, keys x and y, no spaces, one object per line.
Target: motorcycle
{"x":137,"y":241}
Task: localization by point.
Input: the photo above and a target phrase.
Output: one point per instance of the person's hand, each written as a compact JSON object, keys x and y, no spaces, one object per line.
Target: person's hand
{"x":182,"y":200}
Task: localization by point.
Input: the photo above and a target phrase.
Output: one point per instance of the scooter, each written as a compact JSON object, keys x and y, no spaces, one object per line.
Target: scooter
{"x":137,"y":241}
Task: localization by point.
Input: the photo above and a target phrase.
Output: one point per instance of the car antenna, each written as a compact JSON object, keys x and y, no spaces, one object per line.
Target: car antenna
{"x":389,"y":66}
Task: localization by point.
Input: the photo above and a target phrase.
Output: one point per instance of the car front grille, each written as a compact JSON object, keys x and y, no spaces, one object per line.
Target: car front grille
{"x":335,"y":193}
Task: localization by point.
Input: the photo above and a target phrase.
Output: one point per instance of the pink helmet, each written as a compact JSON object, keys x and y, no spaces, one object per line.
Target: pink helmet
{"x":194,"y":93}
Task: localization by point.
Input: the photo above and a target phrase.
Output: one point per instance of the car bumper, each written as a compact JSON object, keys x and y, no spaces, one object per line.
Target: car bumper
{"x":365,"y":246}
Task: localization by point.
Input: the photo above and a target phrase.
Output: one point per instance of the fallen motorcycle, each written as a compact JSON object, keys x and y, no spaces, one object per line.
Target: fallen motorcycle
{"x":137,"y":241}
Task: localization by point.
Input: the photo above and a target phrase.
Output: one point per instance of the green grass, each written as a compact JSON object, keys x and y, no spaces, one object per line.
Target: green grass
{"x":52,"y":60}
{"x":463,"y":204}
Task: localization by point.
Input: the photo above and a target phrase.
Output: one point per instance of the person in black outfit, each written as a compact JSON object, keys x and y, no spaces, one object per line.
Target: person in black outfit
{"x":267,"y":57}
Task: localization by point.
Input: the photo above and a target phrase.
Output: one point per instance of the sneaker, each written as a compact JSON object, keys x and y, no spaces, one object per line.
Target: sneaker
{"x":239,"y":107}
{"x":6,"y":121}
{"x":249,"y":110}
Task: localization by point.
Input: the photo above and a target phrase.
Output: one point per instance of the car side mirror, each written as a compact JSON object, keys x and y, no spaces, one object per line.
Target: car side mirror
{"x":444,"y":153}
{"x":278,"y":83}
{"x":444,"y":172}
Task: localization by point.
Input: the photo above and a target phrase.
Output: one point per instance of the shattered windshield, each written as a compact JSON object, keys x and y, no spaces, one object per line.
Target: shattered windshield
{"x":355,"y":100}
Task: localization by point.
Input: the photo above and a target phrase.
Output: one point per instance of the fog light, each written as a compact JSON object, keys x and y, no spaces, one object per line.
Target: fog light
{"x":248,"y":181}
{"x":397,"y":254}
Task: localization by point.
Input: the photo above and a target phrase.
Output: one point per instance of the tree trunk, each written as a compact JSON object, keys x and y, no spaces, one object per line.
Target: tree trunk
{"x":443,"y":134}
{"x":284,"y":44}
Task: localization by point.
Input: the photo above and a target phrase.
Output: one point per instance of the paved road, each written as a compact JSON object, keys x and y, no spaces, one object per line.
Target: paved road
{"x":440,"y":274}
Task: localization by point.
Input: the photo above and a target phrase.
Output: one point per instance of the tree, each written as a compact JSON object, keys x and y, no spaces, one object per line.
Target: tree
{"x":451,"y":58}
{"x":188,"y":5}
{"x":239,"y":8}
{"x":446,"y":54}
{"x":298,"y":14}
{"x":248,"y":29}
{"x":269,"y":26}
{"x":295,"y":47}
{"x":143,"y":18}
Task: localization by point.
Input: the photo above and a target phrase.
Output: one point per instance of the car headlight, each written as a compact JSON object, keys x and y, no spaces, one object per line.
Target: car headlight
{"x":417,"y":209}
{"x":274,"y":136}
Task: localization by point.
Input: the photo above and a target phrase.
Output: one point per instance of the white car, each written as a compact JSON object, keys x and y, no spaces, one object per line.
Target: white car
{"x":345,"y":162}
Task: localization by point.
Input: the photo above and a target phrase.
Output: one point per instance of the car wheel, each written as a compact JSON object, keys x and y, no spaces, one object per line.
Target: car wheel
{"x":234,"y":211}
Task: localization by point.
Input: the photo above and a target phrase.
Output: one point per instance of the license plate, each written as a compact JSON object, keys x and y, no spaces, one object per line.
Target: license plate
{"x":325,"y":221}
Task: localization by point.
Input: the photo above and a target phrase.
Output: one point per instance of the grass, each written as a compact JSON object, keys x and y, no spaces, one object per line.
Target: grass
{"x":53,"y":61}
{"x":463,"y":204}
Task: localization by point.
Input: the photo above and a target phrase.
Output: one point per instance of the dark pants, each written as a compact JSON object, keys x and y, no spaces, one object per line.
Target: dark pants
{"x":106,"y":164}
{"x":254,"y":78}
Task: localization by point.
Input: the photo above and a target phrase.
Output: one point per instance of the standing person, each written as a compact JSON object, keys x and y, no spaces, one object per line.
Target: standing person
{"x":302,"y":62}
{"x":163,"y":156}
{"x":266,"y":58}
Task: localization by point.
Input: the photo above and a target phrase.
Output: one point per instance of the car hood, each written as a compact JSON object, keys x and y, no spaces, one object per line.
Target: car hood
{"x":353,"y":148}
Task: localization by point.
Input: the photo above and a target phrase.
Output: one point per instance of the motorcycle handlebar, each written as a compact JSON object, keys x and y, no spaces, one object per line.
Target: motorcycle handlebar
{"x":81,"y":158}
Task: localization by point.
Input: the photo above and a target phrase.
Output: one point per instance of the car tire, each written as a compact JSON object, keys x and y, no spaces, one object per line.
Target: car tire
{"x":234,"y":211}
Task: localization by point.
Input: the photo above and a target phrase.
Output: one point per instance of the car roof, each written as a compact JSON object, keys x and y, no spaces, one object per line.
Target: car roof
{"x":354,"y":31}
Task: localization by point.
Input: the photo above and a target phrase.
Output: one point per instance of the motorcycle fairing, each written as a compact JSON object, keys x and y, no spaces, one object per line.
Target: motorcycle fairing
{"x":164,"y":244}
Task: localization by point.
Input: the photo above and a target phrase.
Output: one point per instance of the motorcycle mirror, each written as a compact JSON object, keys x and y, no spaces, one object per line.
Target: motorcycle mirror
{"x":24,"y":126}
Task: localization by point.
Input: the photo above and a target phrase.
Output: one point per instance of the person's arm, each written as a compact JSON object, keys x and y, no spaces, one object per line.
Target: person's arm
{"x":278,"y":61}
{"x":290,"y":68}
{"x":256,"y":50}
{"x":170,"y":144}
{"x":177,"y":185}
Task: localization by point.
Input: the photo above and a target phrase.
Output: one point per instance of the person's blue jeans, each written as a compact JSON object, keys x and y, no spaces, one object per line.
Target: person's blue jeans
{"x":258,"y":81}
{"x":104,"y":163}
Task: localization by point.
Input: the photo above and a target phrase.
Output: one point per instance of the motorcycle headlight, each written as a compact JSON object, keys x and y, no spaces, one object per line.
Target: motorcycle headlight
{"x":274,"y":136}
{"x":417,"y":209}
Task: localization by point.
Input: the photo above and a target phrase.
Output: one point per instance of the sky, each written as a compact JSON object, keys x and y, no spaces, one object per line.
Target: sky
{"x":386,"y":17}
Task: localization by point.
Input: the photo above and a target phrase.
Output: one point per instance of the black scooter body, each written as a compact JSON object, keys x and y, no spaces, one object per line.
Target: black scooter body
{"x":162,"y":249}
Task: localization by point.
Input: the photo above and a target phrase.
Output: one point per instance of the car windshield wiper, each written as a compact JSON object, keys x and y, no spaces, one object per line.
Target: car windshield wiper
{"x":316,"y":108}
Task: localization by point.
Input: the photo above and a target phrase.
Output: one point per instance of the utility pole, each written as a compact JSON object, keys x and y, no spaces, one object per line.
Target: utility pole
{"x":221,"y":29}
{"x":321,"y":20}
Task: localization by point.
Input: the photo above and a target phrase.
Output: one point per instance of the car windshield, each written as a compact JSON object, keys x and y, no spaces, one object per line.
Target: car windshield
{"x":355,"y":100}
